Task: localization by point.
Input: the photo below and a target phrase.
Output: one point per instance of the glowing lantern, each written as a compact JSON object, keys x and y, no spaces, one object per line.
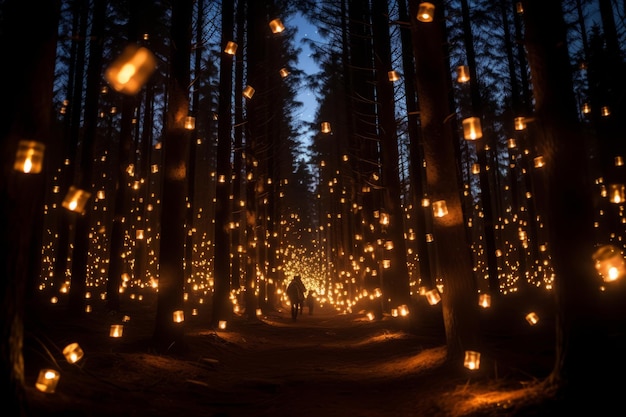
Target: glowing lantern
{"x":116,"y":330}
{"x":538,"y":162}
{"x":472,"y":359}
{"x":433,"y":296}
{"x":393,"y":76}
{"x":484,"y":300}
{"x":609,"y":262}
{"x":511,"y":144}
{"x":371,"y":316}
{"x":519,"y":123}
{"x":472,"y":129}
{"x":617,"y":193}
{"x":277,"y":26}
{"x":532,"y":318}
{"x":139,"y":234}
{"x":519,"y":7}
{"x":440,"y":209}
{"x":47,"y":380}
{"x":178,"y":316}
{"x":325,"y":127}
{"x":476,"y":168}
{"x":403,"y":310}
{"x":75,"y":199}
{"x":130,"y":71}
{"x":605,"y":111}
{"x":429,"y":238}
{"x":73,"y":352}
{"x":462,"y":74}
{"x":248,"y":92}
{"x":284,"y":72}
{"x":231,"y":48}
{"x":394,"y":312}
{"x":29,"y":157}
{"x":586,"y":108}
{"x":426,"y":12}
{"x":259,"y":312}
{"x":222,"y":324}
{"x":619,"y":161}
{"x":190,"y":123}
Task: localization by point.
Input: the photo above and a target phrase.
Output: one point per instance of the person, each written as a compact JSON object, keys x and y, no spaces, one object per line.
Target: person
{"x":310,"y":301}
{"x":295,"y":293}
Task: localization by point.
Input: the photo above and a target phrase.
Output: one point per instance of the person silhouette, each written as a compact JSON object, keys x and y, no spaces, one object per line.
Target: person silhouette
{"x":310,"y":301}
{"x":295,"y":293}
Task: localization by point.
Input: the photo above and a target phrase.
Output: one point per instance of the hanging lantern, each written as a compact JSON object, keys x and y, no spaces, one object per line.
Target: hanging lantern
{"x":475,"y":168}
{"x":116,"y":330}
{"x":426,"y":12}
{"x":73,"y":352}
{"x":617,"y":193}
{"x":433,"y":296}
{"x":440,"y":209}
{"x":586,"y":108}
{"x":519,"y":7}
{"x":190,"y":123}
{"x":248,"y":92}
{"x":231,"y":48}
{"x":472,"y":360}
{"x":284,"y":72}
{"x":462,"y":74}
{"x":325,"y":127}
{"x":609,"y":262}
{"x":47,"y":380}
{"x":520,"y":123}
{"x":403,"y":310}
{"x":29,"y":156}
{"x":532,"y":318}
{"x":472,"y":129}
{"x":130,"y":71}
{"x":139,"y":234}
{"x":538,"y":162}
{"x":259,"y":312}
{"x":277,"y":26}
{"x":619,"y":161}
{"x":75,"y":199}
{"x":393,"y":76}
{"x":484,"y":300}
{"x":221,"y":324}
{"x":605,"y":111}
{"x":394,"y":312}
{"x":178,"y":316}
{"x":511,"y":144}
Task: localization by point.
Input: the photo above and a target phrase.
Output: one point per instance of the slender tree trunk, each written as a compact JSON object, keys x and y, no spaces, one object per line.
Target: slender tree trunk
{"x":588,"y":356}
{"x":460,"y":306}
{"x":168,"y":334}
{"x":84,"y":171}
{"x":221,"y":306}
{"x":397,"y":275}
{"x":29,"y":36}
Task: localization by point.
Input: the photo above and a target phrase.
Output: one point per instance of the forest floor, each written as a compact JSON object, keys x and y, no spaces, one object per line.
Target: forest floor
{"x":323,"y":364}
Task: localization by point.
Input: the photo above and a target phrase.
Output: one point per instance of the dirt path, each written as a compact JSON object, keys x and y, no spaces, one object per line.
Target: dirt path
{"x":323,"y":364}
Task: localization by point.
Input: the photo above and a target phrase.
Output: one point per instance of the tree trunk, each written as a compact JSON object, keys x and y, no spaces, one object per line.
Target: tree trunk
{"x":460,"y":305}
{"x":29,"y":37}
{"x":589,"y":357}
{"x":396,"y":277}
{"x":168,"y":334}
{"x":221,"y":306}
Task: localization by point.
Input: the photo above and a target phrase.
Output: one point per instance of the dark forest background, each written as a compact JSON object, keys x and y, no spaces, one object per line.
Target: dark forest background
{"x":219,"y":214}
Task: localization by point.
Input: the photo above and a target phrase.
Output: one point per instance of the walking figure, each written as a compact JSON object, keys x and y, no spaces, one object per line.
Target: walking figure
{"x":295,"y":292}
{"x":310,"y":301}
